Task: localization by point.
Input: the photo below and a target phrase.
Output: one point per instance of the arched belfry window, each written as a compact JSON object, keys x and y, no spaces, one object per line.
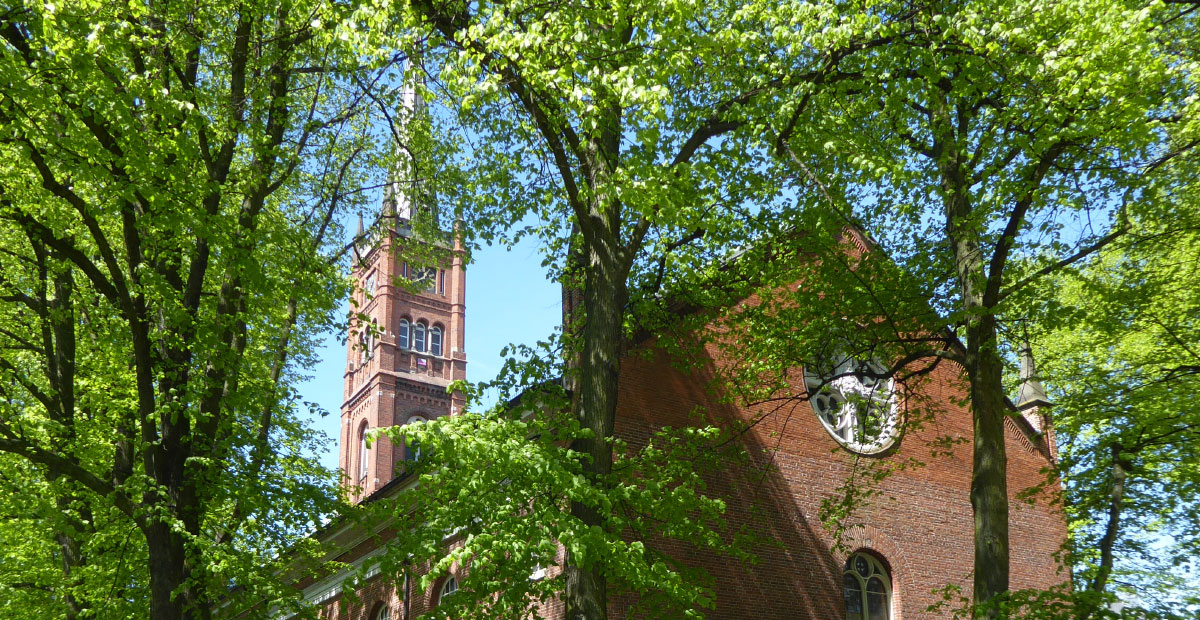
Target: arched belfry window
{"x":868,"y":588}
{"x":363,"y":462}
{"x":370,"y":340}
{"x":404,"y":334}
{"x":419,"y":336}
{"x":435,"y":340}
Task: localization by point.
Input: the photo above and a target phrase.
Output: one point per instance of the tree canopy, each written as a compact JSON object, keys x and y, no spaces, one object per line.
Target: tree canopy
{"x":982,"y":146}
{"x":173,"y":177}
{"x":1121,"y":357}
{"x":170,"y":195}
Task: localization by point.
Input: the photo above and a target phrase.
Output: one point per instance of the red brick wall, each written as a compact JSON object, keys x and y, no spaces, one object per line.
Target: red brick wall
{"x":920,"y":524}
{"x":395,"y":383}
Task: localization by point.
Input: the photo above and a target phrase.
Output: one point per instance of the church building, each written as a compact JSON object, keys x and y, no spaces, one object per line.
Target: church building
{"x":908,"y":544}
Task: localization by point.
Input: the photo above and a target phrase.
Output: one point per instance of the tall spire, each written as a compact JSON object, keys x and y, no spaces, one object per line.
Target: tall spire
{"x":398,"y":199}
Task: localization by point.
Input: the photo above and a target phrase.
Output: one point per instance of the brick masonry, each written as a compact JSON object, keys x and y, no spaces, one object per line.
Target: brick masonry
{"x":919,"y":525}
{"x":387,"y":382}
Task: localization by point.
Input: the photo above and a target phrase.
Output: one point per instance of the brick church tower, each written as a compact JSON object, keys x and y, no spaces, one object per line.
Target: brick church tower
{"x":407,"y":343}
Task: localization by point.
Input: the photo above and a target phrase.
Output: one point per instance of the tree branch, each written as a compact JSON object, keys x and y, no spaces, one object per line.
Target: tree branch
{"x":1051,"y":268}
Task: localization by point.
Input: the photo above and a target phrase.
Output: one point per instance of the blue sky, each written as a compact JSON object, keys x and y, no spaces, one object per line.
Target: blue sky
{"x":509,"y":300}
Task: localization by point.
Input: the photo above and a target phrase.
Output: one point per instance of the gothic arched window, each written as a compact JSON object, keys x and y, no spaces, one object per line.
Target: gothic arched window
{"x":412,"y":452}
{"x":419,"y":336}
{"x":868,"y":589}
{"x":384,"y":614}
{"x":435,"y":340}
{"x":403,"y":334}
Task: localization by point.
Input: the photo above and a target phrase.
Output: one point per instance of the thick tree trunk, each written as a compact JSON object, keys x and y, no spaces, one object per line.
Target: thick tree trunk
{"x":984,"y":367}
{"x":605,"y":293}
{"x":989,"y":484}
{"x":59,"y":337}
{"x":166,"y":551}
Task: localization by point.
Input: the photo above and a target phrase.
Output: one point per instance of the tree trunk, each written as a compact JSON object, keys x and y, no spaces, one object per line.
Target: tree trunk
{"x":1120,"y":473}
{"x":1120,"y":468}
{"x":166,"y":551}
{"x":605,"y":293}
{"x":984,"y":367}
{"x":72,"y":559}
{"x":989,"y":484}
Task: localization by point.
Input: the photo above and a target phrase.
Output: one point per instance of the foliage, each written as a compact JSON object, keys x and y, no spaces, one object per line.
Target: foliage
{"x":1121,"y":360}
{"x":982,"y":145}
{"x":172,"y":177}
{"x":492,"y":497}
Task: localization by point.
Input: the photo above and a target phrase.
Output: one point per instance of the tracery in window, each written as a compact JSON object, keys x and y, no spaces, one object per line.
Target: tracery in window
{"x":384,"y":613}
{"x":867,"y":589}
{"x":856,"y":401}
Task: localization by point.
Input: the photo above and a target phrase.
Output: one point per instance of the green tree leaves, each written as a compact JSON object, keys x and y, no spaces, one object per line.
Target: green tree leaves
{"x":492,"y":496}
{"x":172,"y":184}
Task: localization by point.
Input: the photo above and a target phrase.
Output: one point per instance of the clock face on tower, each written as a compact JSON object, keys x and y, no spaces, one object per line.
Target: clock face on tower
{"x":426,"y":277}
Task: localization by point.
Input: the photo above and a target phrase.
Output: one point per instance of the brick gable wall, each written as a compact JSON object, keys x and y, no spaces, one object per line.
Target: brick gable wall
{"x":920,"y":525}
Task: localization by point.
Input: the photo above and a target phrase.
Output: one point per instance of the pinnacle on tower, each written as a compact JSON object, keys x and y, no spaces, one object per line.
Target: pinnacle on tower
{"x":1032,"y":393}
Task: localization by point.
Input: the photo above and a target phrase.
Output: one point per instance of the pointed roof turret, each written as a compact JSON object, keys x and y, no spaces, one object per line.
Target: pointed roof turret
{"x":1032,"y":393}
{"x":360,"y":243}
